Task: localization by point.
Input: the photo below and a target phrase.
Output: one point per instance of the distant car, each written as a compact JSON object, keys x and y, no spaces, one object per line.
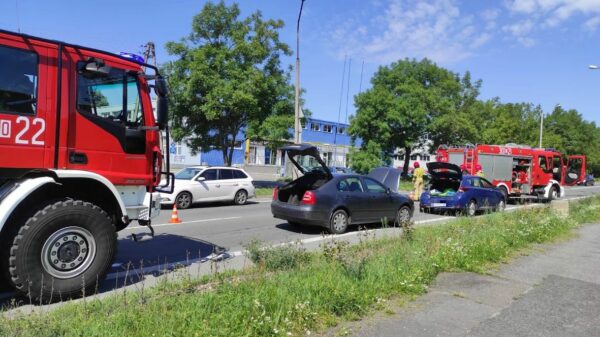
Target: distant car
{"x":339,"y":169}
{"x":207,"y":184}
{"x":320,"y":198}
{"x":450,"y":190}
{"x":589,"y":180}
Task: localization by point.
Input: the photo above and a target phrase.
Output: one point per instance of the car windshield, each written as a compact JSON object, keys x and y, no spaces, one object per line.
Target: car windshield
{"x":309,"y":163}
{"x":187,"y":173}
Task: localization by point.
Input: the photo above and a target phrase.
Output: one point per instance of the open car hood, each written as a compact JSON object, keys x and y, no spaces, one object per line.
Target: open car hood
{"x":388,"y":176}
{"x":439,"y":170}
{"x":308,"y":151}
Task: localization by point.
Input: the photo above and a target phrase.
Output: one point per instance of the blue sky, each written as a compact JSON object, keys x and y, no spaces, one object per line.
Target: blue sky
{"x":524,"y":50}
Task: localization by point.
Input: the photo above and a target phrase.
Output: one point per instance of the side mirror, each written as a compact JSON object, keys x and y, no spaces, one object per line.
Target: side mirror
{"x":200,"y":179}
{"x":162,"y":112}
{"x":160,"y":87}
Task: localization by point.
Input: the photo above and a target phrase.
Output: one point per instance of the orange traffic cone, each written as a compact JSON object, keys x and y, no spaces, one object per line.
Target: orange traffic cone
{"x":174,"y":215}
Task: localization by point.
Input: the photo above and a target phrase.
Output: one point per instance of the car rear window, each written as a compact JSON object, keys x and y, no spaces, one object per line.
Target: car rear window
{"x":350,"y":185}
{"x":225,"y":174}
{"x":237,"y":174}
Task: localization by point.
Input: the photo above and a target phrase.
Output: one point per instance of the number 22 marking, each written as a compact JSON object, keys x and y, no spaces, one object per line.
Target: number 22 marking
{"x":35,"y":139}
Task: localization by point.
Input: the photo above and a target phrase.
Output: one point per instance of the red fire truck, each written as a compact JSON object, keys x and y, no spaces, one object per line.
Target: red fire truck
{"x":521,"y":172}
{"x":80,"y":159}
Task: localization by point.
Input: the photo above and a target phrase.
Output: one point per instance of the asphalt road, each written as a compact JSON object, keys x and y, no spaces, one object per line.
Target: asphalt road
{"x":210,"y":227}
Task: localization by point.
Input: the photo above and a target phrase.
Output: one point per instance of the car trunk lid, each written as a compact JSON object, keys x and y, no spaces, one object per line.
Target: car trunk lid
{"x":306,"y":158}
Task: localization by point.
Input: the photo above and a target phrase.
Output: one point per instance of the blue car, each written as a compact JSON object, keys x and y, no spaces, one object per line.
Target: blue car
{"x":450,"y":190}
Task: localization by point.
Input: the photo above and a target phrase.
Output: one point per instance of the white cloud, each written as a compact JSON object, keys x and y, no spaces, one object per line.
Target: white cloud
{"x":554,"y":12}
{"x":406,"y":28}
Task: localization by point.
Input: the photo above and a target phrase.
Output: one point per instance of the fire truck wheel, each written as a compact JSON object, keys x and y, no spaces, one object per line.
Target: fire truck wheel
{"x":62,"y":251}
{"x":471,"y":208}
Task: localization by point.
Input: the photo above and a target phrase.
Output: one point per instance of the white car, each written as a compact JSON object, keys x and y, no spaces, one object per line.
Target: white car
{"x":207,"y":184}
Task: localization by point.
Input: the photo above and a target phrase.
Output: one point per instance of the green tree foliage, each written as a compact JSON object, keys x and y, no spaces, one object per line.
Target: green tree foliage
{"x":367,"y":158}
{"x":411,"y":101}
{"x":228,"y":77}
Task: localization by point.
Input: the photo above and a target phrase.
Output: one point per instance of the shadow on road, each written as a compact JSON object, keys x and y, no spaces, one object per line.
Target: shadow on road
{"x":136,"y":260}
{"x":212,"y":205}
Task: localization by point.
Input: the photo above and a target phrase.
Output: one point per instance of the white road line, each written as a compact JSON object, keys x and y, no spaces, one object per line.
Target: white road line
{"x":186,"y":222}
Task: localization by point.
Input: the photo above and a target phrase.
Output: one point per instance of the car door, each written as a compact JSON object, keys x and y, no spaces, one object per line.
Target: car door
{"x":380,"y":203}
{"x":493,"y":194}
{"x":229,"y":184}
{"x":354,"y":198}
{"x":479,"y":193}
{"x":207,"y":185}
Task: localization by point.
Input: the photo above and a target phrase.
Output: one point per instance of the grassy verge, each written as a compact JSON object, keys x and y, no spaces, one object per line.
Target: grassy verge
{"x":262,"y":192}
{"x":292,"y":292}
{"x":406,"y":185}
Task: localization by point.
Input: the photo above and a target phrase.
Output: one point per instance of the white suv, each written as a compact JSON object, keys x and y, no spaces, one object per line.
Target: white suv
{"x":207,"y":184}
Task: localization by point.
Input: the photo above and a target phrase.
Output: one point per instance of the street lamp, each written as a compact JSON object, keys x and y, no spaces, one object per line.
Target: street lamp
{"x":297,"y":126}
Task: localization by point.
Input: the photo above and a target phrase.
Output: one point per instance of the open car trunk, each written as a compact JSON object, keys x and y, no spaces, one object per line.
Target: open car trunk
{"x":315,"y":173}
{"x":445,"y":178}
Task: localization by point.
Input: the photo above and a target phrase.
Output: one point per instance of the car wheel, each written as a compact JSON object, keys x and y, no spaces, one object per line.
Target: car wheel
{"x":339,"y":222}
{"x":240,"y":197}
{"x":471,"y":208}
{"x":504,"y":192}
{"x":183,"y":200}
{"x":501,"y":205}
{"x":403,"y":215}
{"x":553,"y":193}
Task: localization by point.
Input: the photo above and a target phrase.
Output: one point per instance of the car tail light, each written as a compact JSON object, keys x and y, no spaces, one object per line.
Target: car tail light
{"x":309,"y":198}
{"x":275,"y":193}
{"x":463,"y":189}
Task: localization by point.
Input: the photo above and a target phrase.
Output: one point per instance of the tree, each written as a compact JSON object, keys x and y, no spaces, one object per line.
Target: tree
{"x":402,"y":108}
{"x":368,"y":158}
{"x":228,"y":78}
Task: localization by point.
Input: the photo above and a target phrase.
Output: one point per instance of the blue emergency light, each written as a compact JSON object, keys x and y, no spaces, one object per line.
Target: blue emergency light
{"x":132,"y":56}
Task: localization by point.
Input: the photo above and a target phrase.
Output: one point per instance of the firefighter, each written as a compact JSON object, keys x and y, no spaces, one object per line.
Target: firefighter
{"x":418,"y":174}
{"x":479,"y":171}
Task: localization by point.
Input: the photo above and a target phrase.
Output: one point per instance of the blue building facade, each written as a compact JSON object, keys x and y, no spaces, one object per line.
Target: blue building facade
{"x":331,"y":138}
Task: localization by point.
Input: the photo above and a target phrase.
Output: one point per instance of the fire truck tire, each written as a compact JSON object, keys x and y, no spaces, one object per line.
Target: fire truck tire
{"x":553,"y":194}
{"x":62,"y":251}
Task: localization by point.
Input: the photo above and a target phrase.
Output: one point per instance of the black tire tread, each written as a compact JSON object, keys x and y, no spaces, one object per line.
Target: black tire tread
{"x":17,"y":279}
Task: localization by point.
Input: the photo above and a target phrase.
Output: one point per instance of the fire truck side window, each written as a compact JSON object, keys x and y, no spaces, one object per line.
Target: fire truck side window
{"x":543,"y":164}
{"x":102,"y":96}
{"x":18,"y":81}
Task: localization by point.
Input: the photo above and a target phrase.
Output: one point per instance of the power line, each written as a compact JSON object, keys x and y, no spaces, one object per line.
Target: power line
{"x":361,"y":76}
{"x":18,"y":20}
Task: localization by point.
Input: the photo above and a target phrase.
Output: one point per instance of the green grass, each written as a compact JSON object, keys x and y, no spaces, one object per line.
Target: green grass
{"x":306,"y":292}
{"x":406,"y":185}
{"x":264,"y":192}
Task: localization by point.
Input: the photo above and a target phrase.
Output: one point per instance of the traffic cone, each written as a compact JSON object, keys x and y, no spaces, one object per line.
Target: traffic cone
{"x":174,"y":215}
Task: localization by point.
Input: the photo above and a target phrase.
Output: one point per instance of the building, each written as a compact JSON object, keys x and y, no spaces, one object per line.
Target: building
{"x":330,"y":138}
{"x":422,"y":154}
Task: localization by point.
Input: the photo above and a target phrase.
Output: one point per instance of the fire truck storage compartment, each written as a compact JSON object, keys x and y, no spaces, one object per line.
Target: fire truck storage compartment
{"x":456,"y":158}
{"x":496,"y":167}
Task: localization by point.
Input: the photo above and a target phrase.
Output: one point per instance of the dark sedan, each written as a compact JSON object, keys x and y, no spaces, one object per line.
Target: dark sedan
{"x":320,"y":198}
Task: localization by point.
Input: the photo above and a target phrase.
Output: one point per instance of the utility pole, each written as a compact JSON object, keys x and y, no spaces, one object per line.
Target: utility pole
{"x":297,"y":126}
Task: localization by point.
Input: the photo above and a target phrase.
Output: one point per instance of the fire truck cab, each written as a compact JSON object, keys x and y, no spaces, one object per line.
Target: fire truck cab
{"x":81,"y":158}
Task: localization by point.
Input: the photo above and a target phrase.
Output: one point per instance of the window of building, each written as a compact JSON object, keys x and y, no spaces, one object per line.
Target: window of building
{"x":414,"y":157}
{"x":400,"y":157}
{"x":328,"y":158}
{"x":237,"y":145}
{"x":18,"y":81}
{"x":341,"y":130}
{"x":315,"y":127}
{"x":426,"y":157}
{"x":327,"y":128}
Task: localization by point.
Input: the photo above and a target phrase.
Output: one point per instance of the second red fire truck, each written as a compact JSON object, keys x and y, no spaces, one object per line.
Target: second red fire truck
{"x":521,"y":172}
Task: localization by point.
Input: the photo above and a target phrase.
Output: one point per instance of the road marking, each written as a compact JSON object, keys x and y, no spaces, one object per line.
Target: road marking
{"x":186,"y":222}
